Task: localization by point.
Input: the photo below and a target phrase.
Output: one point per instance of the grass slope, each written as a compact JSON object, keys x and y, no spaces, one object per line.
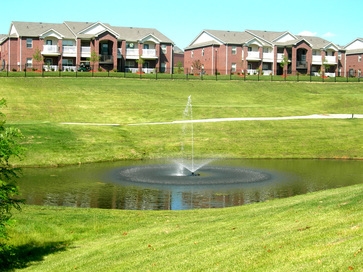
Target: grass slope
{"x":38,"y":106}
{"x":316,"y":232}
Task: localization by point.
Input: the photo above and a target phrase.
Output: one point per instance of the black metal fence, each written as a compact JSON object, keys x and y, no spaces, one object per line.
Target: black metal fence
{"x":174,"y":74}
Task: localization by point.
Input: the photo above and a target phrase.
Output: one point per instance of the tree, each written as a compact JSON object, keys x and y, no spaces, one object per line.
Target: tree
{"x":283,"y":64}
{"x":140,"y":62}
{"x":179,"y":66}
{"x":197,"y":65}
{"x":94,"y":58}
{"x":37,"y":56}
{"x":9,"y":148}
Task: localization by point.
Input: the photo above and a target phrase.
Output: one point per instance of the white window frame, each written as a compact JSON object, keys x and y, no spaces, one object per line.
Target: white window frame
{"x":164,"y":48}
{"x":234,"y":50}
{"x":234,"y":67}
{"x":29,"y":62}
{"x":29,"y":43}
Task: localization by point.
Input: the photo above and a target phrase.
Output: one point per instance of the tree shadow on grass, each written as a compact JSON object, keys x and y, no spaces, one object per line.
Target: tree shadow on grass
{"x":17,"y":257}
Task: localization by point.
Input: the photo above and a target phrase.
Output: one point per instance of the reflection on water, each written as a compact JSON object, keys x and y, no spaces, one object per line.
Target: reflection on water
{"x":100,"y":185}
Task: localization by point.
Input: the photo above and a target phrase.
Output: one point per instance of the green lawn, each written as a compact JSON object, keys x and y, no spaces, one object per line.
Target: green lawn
{"x":39,"y":106}
{"x":320,"y":231}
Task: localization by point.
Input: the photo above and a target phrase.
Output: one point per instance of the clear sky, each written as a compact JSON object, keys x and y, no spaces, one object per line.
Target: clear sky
{"x":335,"y":20}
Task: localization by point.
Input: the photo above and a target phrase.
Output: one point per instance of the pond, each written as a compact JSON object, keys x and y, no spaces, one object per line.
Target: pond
{"x":221,"y":184}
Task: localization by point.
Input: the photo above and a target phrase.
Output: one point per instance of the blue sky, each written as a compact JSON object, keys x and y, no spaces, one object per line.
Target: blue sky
{"x":335,"y":20}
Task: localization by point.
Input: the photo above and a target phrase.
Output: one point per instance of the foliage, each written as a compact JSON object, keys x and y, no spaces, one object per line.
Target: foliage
{"x":8,"y":189}
{"x":94,"y":57}
{"x":197,"y":65}
{"x":179,"y":66}
{"x":37,"y":56}
{"x":140,"y":61}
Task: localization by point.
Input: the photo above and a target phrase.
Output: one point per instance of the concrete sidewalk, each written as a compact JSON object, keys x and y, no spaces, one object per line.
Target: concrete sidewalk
{"x":314,"y":116}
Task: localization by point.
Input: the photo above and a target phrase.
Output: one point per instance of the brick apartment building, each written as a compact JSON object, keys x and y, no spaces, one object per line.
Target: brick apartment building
{"x":264,"y":52}
{"x":69,"y":45}
{"x":354,"y":53}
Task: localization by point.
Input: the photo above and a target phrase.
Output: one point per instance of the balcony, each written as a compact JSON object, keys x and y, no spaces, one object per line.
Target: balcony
{"x":253,"y":55}
{"x":268,"y":57}
{"x":149,"y":54}
{"x":69,"y":51}
{"x":317,"y":59}
{"x":301,"y":64}
{"x":330,"y":60}
{"x":85,"y":51}
{"x":50,"y":50}
{"x":280,"y":57}
{"x":106,"y":59}
{"x":132,"y":53}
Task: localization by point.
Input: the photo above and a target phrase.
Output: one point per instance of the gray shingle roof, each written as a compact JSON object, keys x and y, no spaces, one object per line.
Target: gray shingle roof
{"x":238,"y":37}
{"x":71,"y":30}
{"x":137,"y":33}
{"x":32,"y":29}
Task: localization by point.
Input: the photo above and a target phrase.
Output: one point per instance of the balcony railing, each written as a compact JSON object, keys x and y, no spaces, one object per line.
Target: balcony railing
{"x":69,"y":51}
{"x":280,"y":57}
{"x":149,"y":53}
{"x":132,"y":53}
{"x":48,"y":68}
{"x":330,"y":59}
{"x":106,"y":59}
{"x":268,"y":57}
{"x":85,"y":51}
{"x":253,"y":55}
{"x":50,"y":50}
{"x":317,"y":59}
{"x":301,"y":64}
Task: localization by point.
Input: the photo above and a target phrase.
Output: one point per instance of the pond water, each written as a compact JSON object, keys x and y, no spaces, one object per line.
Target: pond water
{"x":221,"y":184}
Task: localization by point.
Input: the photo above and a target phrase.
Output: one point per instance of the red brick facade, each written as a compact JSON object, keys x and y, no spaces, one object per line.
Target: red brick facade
{"x":18,"y":50}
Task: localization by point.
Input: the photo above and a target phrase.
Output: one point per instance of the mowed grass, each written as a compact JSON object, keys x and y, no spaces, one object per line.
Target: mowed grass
{"x":40,"y":106}
{"x":320,"y":231}
{"x":315,"y":232}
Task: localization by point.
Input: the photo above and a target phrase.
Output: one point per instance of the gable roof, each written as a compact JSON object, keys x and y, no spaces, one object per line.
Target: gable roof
{"x":3,"y":37}
{"x":217,"y":37}
{"x":73,"y":30}
{"x":261,"y":37}
{"x":33,"y":29}
{"x":137,"y":33}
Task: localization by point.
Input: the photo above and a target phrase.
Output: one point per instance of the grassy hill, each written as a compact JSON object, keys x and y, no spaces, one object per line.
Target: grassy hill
{"x":39,"y":107}
{"x":315,"y":232}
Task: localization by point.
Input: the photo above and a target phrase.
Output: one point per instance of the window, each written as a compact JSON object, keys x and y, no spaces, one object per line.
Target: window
{"x":234,"y":50}
{"x":29,"y":62}
{"x":249,"y":48}
{"x":266,"y":50}
{"x":68,"y":43}
{"x":130,"y":45}
{"x":163,"y":67}
{"x":163,"y":48}
{"x":359,"y":58}
{"x":48,"y":61}
{"x":233,"y":67}
{"x":203,"y":52}
{"x":67,"y":62}
{"x":29,"y":43}
{"x":191,"y":54}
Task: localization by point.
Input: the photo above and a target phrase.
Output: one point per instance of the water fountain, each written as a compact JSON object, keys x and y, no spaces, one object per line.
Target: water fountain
{"x":203,"y":172}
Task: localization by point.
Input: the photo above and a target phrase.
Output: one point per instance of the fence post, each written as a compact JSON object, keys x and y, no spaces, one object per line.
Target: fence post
{"x":25,"y":66}
{"x":59,"y":70}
